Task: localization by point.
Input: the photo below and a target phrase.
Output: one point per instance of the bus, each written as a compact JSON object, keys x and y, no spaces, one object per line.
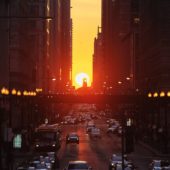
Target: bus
{"x":47,"y":137}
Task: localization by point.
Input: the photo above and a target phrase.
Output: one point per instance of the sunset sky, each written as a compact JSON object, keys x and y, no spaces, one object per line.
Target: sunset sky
{"x":86,"y":15}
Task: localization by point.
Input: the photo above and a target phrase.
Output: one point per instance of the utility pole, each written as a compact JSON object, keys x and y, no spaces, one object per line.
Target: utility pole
{"x":123,"y":139}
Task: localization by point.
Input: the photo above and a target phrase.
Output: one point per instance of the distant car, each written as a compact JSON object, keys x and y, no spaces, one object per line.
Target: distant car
{"x":112,"y":129}
{"x":78,"y":165}
{"x":72,"y":138}
{"x":95,"y":132}
{"x":159,"y":164}
{"x":117,"y":159}
{"x":89,"y":126}
{"x":118,"y":166}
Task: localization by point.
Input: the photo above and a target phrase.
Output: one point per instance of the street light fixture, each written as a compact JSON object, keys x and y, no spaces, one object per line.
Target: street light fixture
{"x":162,"y":94}
{"x":168,"y":94}
{"x":149,"y":95}
{"x":155,"y":94}
{"x":13,"y":92}
{"x":18,"y":93}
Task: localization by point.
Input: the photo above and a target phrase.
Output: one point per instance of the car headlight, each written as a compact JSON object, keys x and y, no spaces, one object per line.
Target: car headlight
{"x":48,"y":165}
{"x":37,"y":145}
{"x":113,"y":164}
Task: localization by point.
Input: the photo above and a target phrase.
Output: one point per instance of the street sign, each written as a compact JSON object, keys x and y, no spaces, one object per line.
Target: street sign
{"x":17,"y":141}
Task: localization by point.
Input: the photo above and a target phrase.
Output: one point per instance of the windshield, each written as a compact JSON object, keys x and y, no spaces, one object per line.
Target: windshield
{"x":45,"y":136}
{"x":77,"y":166}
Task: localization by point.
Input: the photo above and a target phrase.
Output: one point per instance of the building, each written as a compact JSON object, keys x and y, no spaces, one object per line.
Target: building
{"x":66,"y":45}
{"x":117,"y":47}
{"x":153,"y":71}
{"x":4,"y":34}
{"x":154,"y":46}
{"x":98,"y":63}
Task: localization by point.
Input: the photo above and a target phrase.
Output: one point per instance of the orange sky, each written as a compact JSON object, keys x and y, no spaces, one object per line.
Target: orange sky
{"x":86,"y":16}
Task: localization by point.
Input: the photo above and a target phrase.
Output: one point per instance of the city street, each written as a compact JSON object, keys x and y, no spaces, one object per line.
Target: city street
{"x":84,"y":80}
{"x":98,"y":151}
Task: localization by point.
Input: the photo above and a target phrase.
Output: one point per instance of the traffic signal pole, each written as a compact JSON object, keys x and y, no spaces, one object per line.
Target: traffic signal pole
{"x":123,"y":139}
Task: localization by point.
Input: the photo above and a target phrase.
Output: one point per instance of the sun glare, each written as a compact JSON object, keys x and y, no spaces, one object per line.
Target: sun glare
{"x":80,"y":77}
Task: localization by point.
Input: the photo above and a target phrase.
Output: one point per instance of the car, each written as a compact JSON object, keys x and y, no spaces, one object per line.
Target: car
{"x":112,"y":129}
{"x":117,"y":159}
{"x":78,"y":165}
{"x":159,"y":164}
{"x":72,"y":138}
{"x":89,"y":126}
{"x":95,"y":132}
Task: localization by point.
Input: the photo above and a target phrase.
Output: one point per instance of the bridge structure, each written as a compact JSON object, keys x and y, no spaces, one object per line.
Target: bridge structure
{"x":101,"y":99}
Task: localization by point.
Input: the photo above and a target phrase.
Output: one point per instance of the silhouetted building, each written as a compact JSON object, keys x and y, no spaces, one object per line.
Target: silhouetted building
{"x":66,"y":44}
{"x":154,"y":65}
{"x":20,"y":37}
{"x":117,"y":47}
{"x":153,"y":71}
{"x":98,"y":63}
{"x":4,"y":45}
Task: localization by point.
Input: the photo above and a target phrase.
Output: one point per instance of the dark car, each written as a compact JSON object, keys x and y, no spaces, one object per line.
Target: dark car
{"x":116,"y":162}
{"x":78,"y":165}
{"x":159,"y":164}
{"x":72,"y":138}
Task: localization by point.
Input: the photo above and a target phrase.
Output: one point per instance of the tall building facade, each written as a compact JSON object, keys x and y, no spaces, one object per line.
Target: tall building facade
{"x":23,"y":36}
{"x":154,"y":46}
{"x":98,"y":67}
{"x":66,"y":45}
{"x":37,"y":40}
{"x":4,"y":45}
{"x":153,"y":71}
{"x":117,"y":52}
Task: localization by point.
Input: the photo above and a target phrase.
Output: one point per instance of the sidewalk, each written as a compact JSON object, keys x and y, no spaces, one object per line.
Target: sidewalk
{"x":153,"y":150}
{"x":144,"y":154}
{"x":19,"y":157}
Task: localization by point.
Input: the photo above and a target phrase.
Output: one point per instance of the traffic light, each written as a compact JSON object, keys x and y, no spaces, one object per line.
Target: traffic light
{"x":129,"y":139}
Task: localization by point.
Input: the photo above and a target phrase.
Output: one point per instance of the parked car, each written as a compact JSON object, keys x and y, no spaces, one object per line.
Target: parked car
{"x":118,"y":166}
{"x":159,"y":164}
{"x":78,"y":165}
{"x":72,"y":138}
{"x":116,"y":161}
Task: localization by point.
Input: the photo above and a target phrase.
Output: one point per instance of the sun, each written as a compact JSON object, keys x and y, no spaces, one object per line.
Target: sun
{"x":80,"y":77}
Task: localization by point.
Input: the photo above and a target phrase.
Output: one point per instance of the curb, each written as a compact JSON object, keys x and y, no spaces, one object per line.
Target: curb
{"x":152,"y":150}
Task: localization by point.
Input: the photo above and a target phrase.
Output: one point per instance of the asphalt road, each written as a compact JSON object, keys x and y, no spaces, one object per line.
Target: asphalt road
{"x":98,"y":151}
